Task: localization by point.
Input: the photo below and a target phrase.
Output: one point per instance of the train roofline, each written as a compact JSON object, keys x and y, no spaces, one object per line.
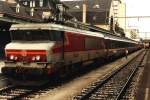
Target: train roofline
{"x":51,"y":26}
{"x":112,"y":37}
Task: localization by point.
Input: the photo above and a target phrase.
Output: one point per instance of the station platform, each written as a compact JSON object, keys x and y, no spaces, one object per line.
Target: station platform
{"x":143,"y":92}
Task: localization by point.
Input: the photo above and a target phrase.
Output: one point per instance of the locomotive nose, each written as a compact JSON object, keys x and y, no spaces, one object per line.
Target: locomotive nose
{"x":27,"y":59}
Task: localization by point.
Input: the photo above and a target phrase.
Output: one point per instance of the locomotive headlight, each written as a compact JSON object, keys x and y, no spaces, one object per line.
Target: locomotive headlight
{"x":16,"y":58}
{"x":12,"y":57}
{"x":37,"y":58}
{"x":33,"y":58}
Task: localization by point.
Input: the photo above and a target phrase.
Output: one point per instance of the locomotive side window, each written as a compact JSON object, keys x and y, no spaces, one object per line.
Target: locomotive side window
{"x":92,"y":43}
{"x":56,"y":35}
{"x":36,"y":35}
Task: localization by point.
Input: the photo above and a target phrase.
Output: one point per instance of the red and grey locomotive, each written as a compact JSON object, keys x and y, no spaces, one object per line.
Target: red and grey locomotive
{"x":48,"y":48}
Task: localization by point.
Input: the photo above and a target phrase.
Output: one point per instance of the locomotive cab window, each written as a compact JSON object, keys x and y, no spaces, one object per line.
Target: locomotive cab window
{"x":37,"y":35}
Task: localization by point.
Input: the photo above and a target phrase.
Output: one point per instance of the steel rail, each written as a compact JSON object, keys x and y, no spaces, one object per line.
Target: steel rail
{"x":126,"y":84}
{"x":129,"y":80}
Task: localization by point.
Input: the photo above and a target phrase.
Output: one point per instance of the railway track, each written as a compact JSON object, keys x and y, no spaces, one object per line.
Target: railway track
{"x":13,"y":92}
{"x":132,"y":88}
{"x":20,"y":92}
{"x":114,"y":85}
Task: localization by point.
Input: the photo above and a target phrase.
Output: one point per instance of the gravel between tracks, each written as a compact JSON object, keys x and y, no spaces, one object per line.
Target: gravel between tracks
{"x":74,"y":87}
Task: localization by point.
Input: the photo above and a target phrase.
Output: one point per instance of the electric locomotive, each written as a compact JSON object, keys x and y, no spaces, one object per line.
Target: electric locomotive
{"x":47,"y":49}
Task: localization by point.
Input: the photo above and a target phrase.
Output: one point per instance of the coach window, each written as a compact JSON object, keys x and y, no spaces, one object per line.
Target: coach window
{"x":127,"y":44}
{"x":115,"y":44}
{"x":123,"y":45}
{"x":120,"y":44}
{"x":112,"y":44}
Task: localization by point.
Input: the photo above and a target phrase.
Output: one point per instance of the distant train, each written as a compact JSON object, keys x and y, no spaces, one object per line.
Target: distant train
{"x":146,"y":45}
{"x":48,"y":48}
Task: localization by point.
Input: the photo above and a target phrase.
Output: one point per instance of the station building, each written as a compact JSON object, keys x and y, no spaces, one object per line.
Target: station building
{"x":98,"y":12}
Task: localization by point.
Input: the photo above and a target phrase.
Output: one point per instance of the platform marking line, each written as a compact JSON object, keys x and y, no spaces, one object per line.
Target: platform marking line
{"x":146,"y":93}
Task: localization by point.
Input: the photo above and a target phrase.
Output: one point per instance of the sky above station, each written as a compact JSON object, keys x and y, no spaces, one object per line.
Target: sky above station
{"x":138,"y":8}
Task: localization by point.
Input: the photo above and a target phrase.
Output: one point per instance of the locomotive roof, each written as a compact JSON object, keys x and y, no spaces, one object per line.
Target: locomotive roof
{"x":52,"y":26}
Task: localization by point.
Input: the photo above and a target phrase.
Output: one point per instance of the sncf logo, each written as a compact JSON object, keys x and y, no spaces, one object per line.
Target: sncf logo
{"x":24,"y":53}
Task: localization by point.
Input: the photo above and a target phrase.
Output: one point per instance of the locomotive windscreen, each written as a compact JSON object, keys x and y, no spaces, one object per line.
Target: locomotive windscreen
{"x":36,"y":35}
